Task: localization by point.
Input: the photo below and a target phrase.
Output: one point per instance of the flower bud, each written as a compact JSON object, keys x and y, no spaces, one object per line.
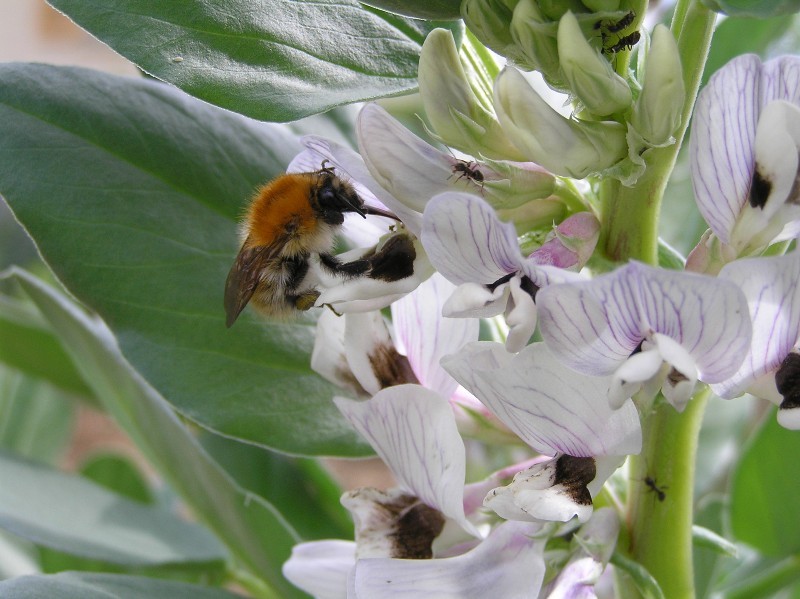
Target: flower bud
{"x":657,"y":113}
{"x":455,"y":111}
{"x":513,"y":184}
{"x":601,"y":5}
{"x":535,"y":40}
{"x":590,"y":77}
{"x":567,"y":147}
{"x":489,"y":21}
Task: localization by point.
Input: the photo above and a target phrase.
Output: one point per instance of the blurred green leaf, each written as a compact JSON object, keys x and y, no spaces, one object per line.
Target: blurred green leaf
{"x":740,"y":35}
{"x":118,"y":474}
{"x":763,"y":490}
{"x":79,"y":585}
{"x":257,"y":535}
{"x":35,"y":418}
{"x":299,"y":488}
{"x":271,"y":60}
{"x":421,"y":9}
{"x":136,"y":214}
{"x":28,"y":345}
{"x":754,"y":8}
{"x":74,"y":515}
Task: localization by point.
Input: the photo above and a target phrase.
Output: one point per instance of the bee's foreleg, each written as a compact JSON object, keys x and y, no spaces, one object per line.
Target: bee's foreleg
{"x":346,"y":269}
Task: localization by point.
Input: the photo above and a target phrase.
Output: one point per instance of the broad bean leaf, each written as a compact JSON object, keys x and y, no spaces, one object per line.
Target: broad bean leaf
{"x":89,"y":585}
{"x":131,"y":190}
{"x":754,"y":8}
{"x":764,"y":487}
{"x":275,"y":60}
{"x":72,"y":514}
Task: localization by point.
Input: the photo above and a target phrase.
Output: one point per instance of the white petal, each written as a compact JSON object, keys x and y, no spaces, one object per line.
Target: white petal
{"x":552,"y":408}
{"x":321,"y":568}
{"x":414,"y":431}
{"x":773,"y":295}
{"x":789,"y":418}
{"x":424,"y":335}
{"x":366,"y":336}
{"x":521,"y":319}
{"x":472,"y":300}
{"x":721,"y":145}
{"x":508,"y":564}
{"x":466,"y":242}
{"x":411,"y":169}
{"x":680,"y":382}
{"x":329,"y":358}
{"x":629,"y":377}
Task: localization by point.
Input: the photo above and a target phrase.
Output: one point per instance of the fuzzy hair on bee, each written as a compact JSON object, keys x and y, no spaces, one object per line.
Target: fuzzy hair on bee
{"x":290,"y":219}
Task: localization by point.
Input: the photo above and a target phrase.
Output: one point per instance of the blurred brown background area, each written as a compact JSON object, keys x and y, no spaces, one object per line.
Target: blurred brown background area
{"x":32,"y":31}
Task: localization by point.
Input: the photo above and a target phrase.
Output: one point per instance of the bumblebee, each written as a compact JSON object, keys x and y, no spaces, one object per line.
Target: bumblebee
{"x":290,"y":219}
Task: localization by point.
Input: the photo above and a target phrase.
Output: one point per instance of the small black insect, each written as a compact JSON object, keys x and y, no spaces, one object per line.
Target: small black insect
{"x":622,"y":23}
{"x":659,"y":491}
{"x":624,"y":43}
{"x":469,"y":170}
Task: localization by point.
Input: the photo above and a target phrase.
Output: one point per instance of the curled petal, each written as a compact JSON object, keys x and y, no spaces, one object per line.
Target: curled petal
{"x":508,"y":564}
{"x":414,"y":431}
{"x":471,"y":300}
{"x":556,"y":490}
{"x":773,"y":297}
{"x":521,"y":317}
{"x":321,"y":568}
{"x":552,"y":408}
{"x":466,"y":242}
{"x":424,"y":335}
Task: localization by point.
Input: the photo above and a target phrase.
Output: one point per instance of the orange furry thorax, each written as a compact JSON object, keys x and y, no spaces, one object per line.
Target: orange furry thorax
{"x":280,"y":206}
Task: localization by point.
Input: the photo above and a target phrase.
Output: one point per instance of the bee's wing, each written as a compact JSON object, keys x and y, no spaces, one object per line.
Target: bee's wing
{"x":244,"y":277}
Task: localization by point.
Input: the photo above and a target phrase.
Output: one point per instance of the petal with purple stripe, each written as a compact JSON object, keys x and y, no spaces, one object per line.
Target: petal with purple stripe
{"x":550,"y":407}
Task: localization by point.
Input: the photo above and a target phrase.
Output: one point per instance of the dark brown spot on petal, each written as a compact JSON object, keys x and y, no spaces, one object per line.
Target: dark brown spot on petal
{"x":637,"y":349}
{"x":529,"y":287}
{"x":417,"y":527}
{"x":575,"y":474}
{"x":675,"y":377}
{"x":760,"y":189}
{"x":390,"y":367}
{"x":787,"y":380}
{"x":501,"y":281}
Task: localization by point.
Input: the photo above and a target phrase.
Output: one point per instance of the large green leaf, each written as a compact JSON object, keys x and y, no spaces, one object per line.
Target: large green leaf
{"x":276,"y":60}
{"x":74,"y":515}
{"x":754,"y":8}
{"x":87,"y":585}
{"x":251,"y":528}
{"x":764,"y":491}
{"x":131,"y":191}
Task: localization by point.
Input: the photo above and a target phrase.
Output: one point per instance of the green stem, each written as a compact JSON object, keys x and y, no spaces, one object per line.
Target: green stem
{"x":629,"y":215}
{"x":660,"y":501}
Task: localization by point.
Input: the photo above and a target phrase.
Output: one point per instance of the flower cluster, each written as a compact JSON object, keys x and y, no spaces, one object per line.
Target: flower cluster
{"x":487,"y":337}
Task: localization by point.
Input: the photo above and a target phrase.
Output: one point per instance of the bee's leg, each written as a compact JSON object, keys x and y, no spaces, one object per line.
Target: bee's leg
{"x":346,"y":269}
{"x":304,"y":301}
{"x":394,"y":261}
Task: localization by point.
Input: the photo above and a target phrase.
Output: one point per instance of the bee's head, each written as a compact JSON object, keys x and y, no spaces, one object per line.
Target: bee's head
{"x":332,"y":197}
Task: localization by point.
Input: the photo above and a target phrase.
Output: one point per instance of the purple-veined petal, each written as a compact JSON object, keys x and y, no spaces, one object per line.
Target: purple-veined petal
{"x":414,"y":431}
{"x":465,"y":240}
{"x":770,"y":286}
{"x":474,"y":493}
{"x":550,"y":407}
{"x":726,"y":117}
{"x":411,"y":169}
{"x":424,"y":335}
{"x":508,"y":563}
{"x":593,"y":327}
{"x":321,"y":568}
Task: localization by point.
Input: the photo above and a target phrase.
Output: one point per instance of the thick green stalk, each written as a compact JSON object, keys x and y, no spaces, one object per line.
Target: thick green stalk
{"x":660,"y":501}
{"x":629,"y":215}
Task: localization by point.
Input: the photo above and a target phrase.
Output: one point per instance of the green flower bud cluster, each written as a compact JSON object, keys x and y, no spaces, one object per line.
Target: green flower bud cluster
{"x":614,"y":120}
